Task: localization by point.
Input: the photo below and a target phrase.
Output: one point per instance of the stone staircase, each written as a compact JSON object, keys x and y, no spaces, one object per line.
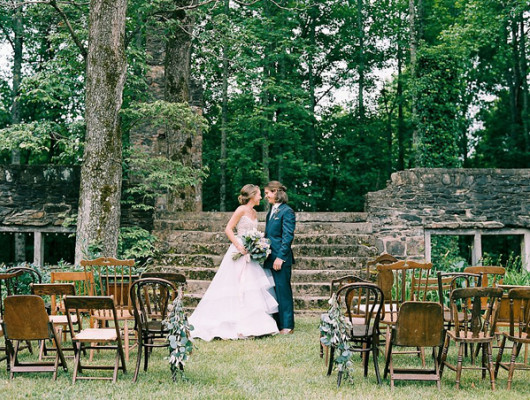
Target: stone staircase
{"x":326,"y":246}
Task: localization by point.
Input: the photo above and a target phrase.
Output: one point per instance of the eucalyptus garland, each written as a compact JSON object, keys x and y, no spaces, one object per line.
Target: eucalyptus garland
{"x":180,"y":344}
{"x":334,"y":329}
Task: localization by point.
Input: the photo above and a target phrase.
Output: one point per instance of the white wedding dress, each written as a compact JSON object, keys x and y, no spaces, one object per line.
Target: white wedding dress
{"x":240,"y":299}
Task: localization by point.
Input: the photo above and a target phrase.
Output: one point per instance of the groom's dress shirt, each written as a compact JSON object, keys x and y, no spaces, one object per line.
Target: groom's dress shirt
{"x":273,"y":211}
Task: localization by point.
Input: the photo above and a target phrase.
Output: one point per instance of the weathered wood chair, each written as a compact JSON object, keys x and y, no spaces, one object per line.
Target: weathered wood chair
{"x":56,"y":292}
{"x":419,"y":324}
{"x":99,"y":338}
{"x":371,"y":270}
{"x":364,"y":304}
{"x":475,"y":328}
{"x":150,"y":298}
{"x":519,"y":331}
{"x":113,"y":277}
{"x":26,"y":319}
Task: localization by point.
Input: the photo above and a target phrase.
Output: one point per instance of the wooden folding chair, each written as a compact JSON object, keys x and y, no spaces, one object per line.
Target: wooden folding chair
{"x":56,"y":292}
{"x":113,"y":278}
{"x":95,"y":338}
{"x":419,"y":324}
{"x":26,"y":319}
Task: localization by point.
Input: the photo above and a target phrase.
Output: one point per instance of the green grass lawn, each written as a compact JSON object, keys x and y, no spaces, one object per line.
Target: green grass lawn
{"x":279,"y":367}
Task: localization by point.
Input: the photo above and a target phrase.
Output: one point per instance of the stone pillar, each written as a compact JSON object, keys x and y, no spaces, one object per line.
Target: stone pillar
{"x":427,"y":246}
{"x":525,"y":251}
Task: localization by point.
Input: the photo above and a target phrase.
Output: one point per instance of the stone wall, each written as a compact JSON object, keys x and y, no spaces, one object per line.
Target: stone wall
{"x":420,"y":199}
{"x":43,"y":196}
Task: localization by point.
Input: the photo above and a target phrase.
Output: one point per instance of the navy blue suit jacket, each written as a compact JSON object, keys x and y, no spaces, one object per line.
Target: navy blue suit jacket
{"x":280,"y":230}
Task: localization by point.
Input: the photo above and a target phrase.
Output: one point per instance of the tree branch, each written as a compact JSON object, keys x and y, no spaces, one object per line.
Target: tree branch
{"x":7,"y":36}
{"x":82,"y":48}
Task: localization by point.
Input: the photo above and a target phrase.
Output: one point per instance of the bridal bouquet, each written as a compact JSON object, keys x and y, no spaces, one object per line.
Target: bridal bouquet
{"x":257,"y":246}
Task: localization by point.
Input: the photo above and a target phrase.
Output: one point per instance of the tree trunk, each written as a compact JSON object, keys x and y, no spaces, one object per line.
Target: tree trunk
{"x":20,"y":238}
{"x":524,"y":74}
{"x":224,"y":120}
{"x":413,"y":43}
{"x":98,"y":220}
{"x":360,"y":30}
{"x":400,"y":122}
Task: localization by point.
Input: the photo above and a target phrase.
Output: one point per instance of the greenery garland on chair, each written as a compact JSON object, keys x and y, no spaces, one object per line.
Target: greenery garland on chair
{"x":180,"y":344}
{"x":333,"y":331}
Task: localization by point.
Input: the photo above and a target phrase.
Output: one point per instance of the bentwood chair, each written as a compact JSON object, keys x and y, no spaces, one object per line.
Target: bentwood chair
{"x":364,"y":304}
{"x":26,"y":319}
{"x":419,"y":324}
{"x":99,"y":338}
{"x":519,"y":331}
{"x":334,"y":286}
{"x":150,"y":298}
{"x":475,"y":328}
{"x":113,"y":277}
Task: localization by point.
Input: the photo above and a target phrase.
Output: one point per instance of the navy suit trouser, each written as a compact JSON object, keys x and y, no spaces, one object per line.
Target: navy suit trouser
{"x":284,"y":295}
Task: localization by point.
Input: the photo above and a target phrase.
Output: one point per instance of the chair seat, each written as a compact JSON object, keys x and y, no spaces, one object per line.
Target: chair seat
{"x":448,"y":316}
{"x":524,"y":338}
{"x":468,"y":337}
{"x":96,"y":335}
{"x":62,"y":319}
{"x":359,"y":330}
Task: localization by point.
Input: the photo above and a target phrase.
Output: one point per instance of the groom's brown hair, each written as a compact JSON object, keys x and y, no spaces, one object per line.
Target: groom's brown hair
{"x":279,"y":190}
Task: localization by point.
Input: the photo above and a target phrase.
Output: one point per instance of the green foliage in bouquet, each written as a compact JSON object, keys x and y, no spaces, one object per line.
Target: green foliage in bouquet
{"x":257,"y":246}
{"x":180,"y":344}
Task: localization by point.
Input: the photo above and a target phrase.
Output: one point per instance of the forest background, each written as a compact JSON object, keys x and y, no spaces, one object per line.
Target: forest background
{"x":329,"y":97}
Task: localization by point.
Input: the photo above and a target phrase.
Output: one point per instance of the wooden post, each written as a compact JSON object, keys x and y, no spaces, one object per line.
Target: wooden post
{"x":477,"y":249}
{"x":525,"y":251}
{"x":38,"y":249}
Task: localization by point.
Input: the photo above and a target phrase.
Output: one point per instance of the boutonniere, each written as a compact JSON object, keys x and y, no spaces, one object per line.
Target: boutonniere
{"x":275,"y":212}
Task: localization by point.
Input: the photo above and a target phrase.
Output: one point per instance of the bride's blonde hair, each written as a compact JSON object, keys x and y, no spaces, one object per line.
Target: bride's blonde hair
{"x":247,"y":192}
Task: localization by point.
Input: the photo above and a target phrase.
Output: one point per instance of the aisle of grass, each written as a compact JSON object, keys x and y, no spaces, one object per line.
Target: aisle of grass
{"x":280,"y":367}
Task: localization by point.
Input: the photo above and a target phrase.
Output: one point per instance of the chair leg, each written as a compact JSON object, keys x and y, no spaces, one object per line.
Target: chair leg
{"x":331,"y":356}
{"x":459,"y":364}
{"x":421,"y":354}
{"x":387,"y":360}
{"x":366,"y":358}
{"x":490,"y":363}
{"x":116,"y":366}
{"x":126,"y":340}
{"x":443,"y":357}
{"x":138,"y":359}
{"x":484,"y":362}
{"x":375,"y":352}
{"x":499,"y":356}
{"x":512,"y":365}
{"x":77,"y":361}
{"x":435,"y":358}
{"x":147,"y":350}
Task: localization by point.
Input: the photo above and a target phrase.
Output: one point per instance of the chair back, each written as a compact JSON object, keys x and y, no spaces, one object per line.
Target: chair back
{"x":468,"y":302}
{"x":25,"y":318}
{"x":56,"y":291}
{"x":25,"y":277}
{"x":113,"y":278}
{"x":364,"y":304}
{"x":179,"y":280}
{"x":7,"y":287}
{"x":491,"y":275}
{"x":419,"y":324}
{"x":519,"y":299}
{"x":150,"y":298}
{"x":83,"y":282}
{"x":449,"y":281}
{"x":383,"y":259}
{"x":392,"y":279}
{"x":336,"y":284}
{"x":77,"y":304}
{"x":422,"y":284}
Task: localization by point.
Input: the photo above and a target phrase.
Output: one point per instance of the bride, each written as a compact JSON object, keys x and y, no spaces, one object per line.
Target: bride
{"x":240,"y":299}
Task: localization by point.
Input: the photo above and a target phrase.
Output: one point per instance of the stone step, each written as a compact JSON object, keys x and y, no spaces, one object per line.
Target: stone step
{"x":199,"y":287}
{"x":318,"y":250}
{"x":301,"y":228}
{"x":301,"y":276}
{"x":300,"y":216}
{"x":302,"y":262}
{"x":174,"y":237}
{"x":302,"y":303}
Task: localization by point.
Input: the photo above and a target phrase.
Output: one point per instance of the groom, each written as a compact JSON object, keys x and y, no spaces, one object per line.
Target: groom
{"x":279,"y":229}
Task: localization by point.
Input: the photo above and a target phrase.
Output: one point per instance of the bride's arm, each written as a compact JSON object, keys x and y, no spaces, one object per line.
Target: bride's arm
{"x":229,"y":230}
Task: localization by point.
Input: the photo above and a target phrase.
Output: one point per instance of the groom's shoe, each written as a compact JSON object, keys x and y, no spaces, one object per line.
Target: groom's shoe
{"x":286,"y":331}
